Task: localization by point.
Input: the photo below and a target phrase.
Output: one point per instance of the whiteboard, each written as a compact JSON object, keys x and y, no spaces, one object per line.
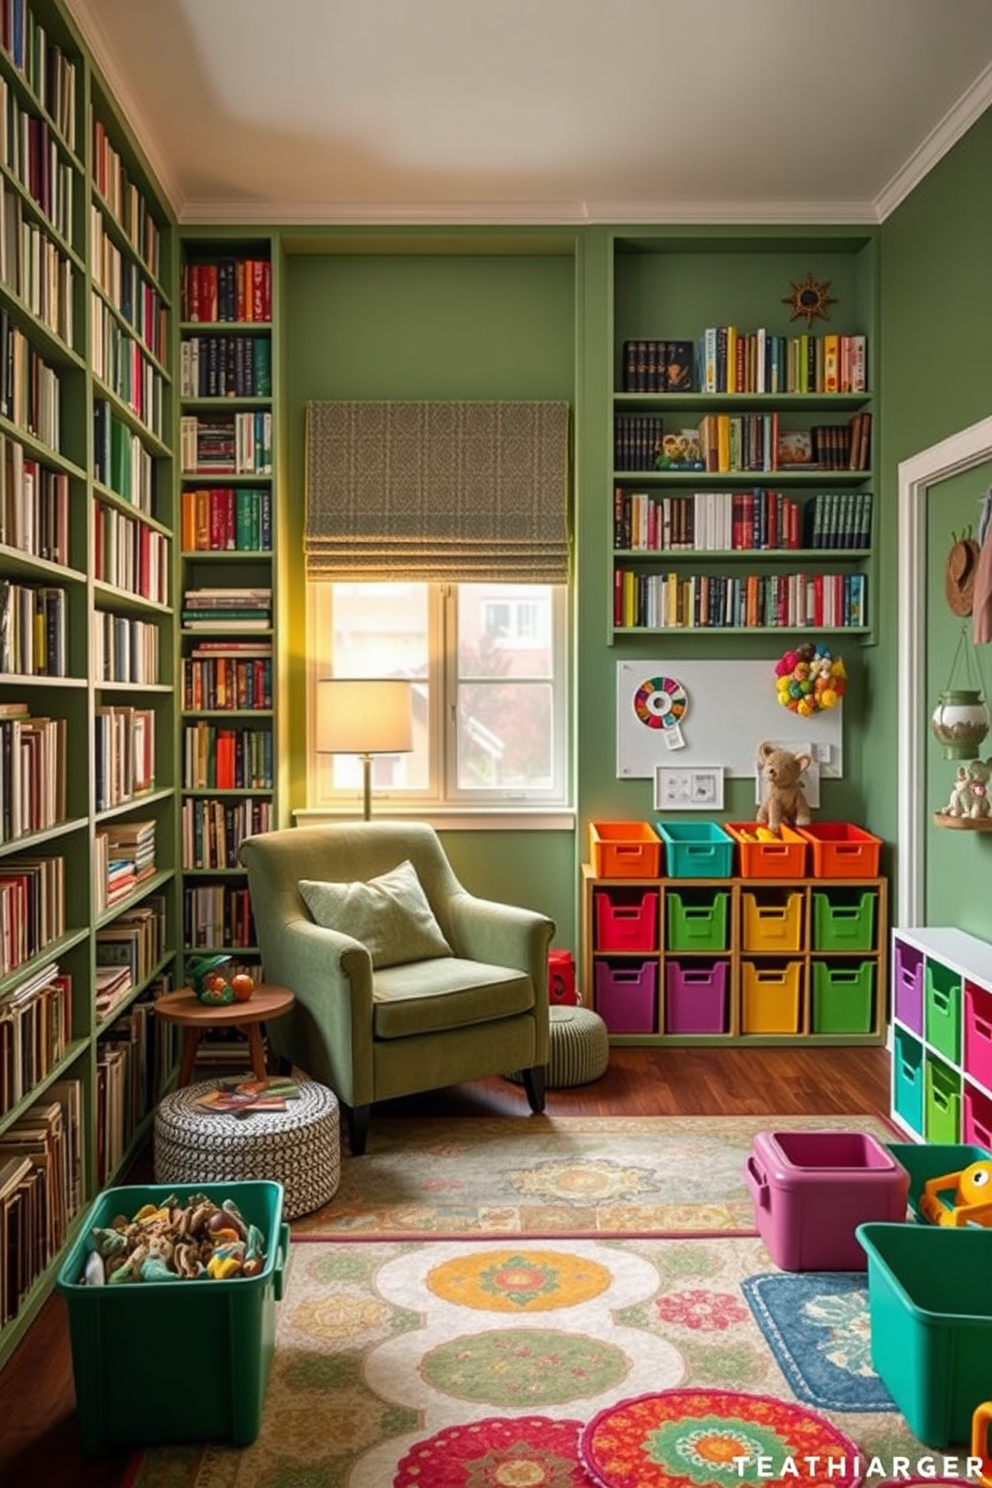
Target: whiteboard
{"x":713,"y":713}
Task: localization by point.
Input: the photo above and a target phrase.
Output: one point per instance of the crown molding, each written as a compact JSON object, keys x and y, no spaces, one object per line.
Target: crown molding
{"x":955,"y":123}
{"x":101,"y":51}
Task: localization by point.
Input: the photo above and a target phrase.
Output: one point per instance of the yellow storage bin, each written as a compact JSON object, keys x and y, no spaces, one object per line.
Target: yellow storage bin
{"x":770,"y":997}
{"x":772,"y":921}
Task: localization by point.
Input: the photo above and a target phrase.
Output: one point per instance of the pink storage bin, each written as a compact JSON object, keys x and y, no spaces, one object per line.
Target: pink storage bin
{"x":626,"y":923}
{"x":978,"y":1034}
{"x":908,"y":979}
{"x":627,"y":995}
{"x":811,"y":1189}
{"x":696,"y":997}
{"x":976,"y":1129}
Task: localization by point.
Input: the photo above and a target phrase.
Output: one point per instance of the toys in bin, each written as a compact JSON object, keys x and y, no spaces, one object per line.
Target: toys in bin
{"x":214,"y":984}
{"x":961,"y":1198}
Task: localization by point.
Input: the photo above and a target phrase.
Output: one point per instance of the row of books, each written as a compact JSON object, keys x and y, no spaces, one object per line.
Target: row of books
{"x":35,"y":1031}
{"x":725,"y":359}
{"x":125,"y":649}
{"x":226,"y":519}
{"x":128,"y":289}
{"x":217,"y":915}
{"x":237,"y":607}
{"x":32,"y":629}
{"x":120,"y":460}
{"x":216,"y":758}
{"x":740,"y":521}
{"x":226,"y":443}
{"x":123,"y":857}
{"x":637,"y":440}
{"x":227,"y":289}
{"x":34,"y":267}
{"x":225,"y":366}
{"x":124,"y":753}
{"x":29,"y":149}
{"x":129,"y":554}
{"x":30,"y":395}
{"x":32,"y":908}
{"x":33,"y":755}
{"x":128,"y":950}
{"x":134,"y":1058}
{"x":213,"y":830}
{"x":34,"y":505}
{"x":128,"y":204}
{"x":41,"y":1189}
{"x":675,"y":601}
{"x":48,"y":72}
{"x":121,"y":363}
{"x":227,"y":682}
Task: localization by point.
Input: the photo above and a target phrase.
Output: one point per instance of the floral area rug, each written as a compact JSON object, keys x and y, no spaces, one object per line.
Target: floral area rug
{"x":484,"y":1364}
{"x":542,"y":1175}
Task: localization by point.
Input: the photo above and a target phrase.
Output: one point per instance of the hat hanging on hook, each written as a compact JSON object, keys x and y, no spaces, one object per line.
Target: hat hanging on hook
{"x":959,"y":573}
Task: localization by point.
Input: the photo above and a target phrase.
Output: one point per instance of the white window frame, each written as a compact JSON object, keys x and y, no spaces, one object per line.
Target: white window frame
{"x":442,"y":801}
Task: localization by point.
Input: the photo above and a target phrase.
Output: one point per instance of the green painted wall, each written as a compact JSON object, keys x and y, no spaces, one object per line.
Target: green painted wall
{"x":936,"y":334}
{"x":429,"y":318}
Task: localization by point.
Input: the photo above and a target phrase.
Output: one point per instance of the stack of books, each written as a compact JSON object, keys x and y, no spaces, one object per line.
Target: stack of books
{"x":228,"y":609}
{"x":125,"y":856}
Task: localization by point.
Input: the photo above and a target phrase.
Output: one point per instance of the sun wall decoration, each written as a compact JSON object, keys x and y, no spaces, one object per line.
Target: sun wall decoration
{"x":809,"y":298}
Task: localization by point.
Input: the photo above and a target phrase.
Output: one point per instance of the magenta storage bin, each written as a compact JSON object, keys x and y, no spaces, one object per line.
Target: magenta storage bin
{"x":976,"y":1120}
{"x":908,"y":977}
{"x":626,"y":923}
{"x":811,"y":1190}
{"x":978,"y":1034}
{"x":626,"y":995}
{"x":696,"y":997}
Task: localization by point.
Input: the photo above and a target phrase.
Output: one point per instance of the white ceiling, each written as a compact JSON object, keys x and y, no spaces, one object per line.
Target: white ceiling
{"x":269,"y":111}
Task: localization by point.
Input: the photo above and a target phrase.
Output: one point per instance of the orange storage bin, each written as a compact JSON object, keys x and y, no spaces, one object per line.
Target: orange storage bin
{"x":624,"y":850}
{"x":783,"y":859}
{"x":841,"y":850}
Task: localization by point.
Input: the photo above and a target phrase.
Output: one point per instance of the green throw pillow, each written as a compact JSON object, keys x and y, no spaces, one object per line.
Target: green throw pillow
{"x":389,"y":914}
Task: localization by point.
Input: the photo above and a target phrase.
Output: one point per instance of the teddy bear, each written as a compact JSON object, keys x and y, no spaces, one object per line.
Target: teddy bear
{"x":970,"y":795}
{"x":783,"y":799}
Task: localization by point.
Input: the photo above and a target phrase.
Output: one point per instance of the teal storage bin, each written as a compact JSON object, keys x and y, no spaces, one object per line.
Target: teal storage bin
{"x":907,"y":1079}
{"x":164,"y":1361}
{"x":930,"y":1302}
{"x":843,"y":921}
{"x":697,"y":920}
{"x":696,"y":849}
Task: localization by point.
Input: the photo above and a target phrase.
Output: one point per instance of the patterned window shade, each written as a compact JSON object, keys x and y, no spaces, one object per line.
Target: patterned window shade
{"x":458,"y":491}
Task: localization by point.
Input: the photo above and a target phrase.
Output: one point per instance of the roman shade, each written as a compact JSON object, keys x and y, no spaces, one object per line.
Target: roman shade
{"x":469,"y":492}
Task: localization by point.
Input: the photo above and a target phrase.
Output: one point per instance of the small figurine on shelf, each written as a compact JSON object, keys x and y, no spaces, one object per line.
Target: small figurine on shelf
{"x":970,"y":796}
{"x":783,"y":799}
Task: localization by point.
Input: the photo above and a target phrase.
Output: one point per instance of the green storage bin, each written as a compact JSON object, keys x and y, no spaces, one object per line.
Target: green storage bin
{"x":697,"y":920}
{"x":925,"y":1160}
{"x":843,"y":996}
{"x":942,"y":996}
{"x":930,"y":1303}
{"x":941,"y":1102}
{"x":843,"y":921}
{"x":163,"y":1361}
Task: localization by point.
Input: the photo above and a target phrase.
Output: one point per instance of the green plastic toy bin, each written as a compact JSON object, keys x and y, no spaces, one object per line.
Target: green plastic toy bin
{"x":930,"y":1304}
{"x":926,"y":1160}
{"x":162,"y":1361}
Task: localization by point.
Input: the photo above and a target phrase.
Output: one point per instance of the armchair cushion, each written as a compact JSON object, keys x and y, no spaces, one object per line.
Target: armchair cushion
{"x":389,"y":914}
{"x":435,"y":996}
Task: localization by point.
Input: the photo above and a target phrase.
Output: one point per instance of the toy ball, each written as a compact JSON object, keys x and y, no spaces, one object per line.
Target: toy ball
{"x":975,"y":1184}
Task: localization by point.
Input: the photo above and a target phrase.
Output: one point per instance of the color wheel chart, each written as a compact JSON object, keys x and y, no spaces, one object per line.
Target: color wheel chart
{"x":660,"y":703}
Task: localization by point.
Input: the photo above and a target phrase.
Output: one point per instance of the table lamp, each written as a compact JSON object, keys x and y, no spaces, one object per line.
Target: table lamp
{"x":364,"y":716}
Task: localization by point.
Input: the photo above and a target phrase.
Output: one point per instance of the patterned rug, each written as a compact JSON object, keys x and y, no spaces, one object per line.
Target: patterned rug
{"x":818,"y":1326}
{"x":545,"y":1175}
{"x":480,"y":1364}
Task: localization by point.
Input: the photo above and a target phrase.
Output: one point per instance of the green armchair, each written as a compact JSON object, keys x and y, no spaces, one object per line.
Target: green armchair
{"x":369,"y":1024}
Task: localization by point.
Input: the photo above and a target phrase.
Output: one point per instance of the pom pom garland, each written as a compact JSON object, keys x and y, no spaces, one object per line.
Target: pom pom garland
{"x":809,"y":679}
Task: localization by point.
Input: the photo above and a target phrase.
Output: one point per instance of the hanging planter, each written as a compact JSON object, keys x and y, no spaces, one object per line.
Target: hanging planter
{"x":960,"y":722}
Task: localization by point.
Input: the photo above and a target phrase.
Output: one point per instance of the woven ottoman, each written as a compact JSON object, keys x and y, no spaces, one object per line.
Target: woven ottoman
{"x":299,"y":1147}
{"x":580,"y":1048}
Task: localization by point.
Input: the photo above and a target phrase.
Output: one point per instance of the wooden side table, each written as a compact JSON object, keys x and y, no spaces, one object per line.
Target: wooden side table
{"x":184,"y":1008}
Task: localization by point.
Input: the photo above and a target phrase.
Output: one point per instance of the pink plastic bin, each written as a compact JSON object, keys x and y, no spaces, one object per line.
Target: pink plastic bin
{"x":978,"y":1034}
{"x":811,"y":1189}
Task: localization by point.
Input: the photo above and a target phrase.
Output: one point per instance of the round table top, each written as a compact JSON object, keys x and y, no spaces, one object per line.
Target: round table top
{"x":267,"y":1001}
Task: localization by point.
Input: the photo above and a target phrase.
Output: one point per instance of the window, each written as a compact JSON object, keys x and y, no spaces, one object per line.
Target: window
{"x":488,"y":665}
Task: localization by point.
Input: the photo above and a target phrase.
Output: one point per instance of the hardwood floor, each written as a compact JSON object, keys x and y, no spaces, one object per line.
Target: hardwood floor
{"x":38,"y":1445}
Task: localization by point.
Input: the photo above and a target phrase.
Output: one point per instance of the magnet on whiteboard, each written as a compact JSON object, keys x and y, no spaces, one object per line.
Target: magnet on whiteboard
{"x":673,"y":736}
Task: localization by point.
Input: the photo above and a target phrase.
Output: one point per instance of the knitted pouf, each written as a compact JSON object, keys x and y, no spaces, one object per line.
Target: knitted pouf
{"x":580,"y":1048}
{"x":299,"y":1147}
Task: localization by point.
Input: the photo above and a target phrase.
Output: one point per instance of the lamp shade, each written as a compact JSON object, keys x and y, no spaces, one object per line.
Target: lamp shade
{"x":364,"y":715}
